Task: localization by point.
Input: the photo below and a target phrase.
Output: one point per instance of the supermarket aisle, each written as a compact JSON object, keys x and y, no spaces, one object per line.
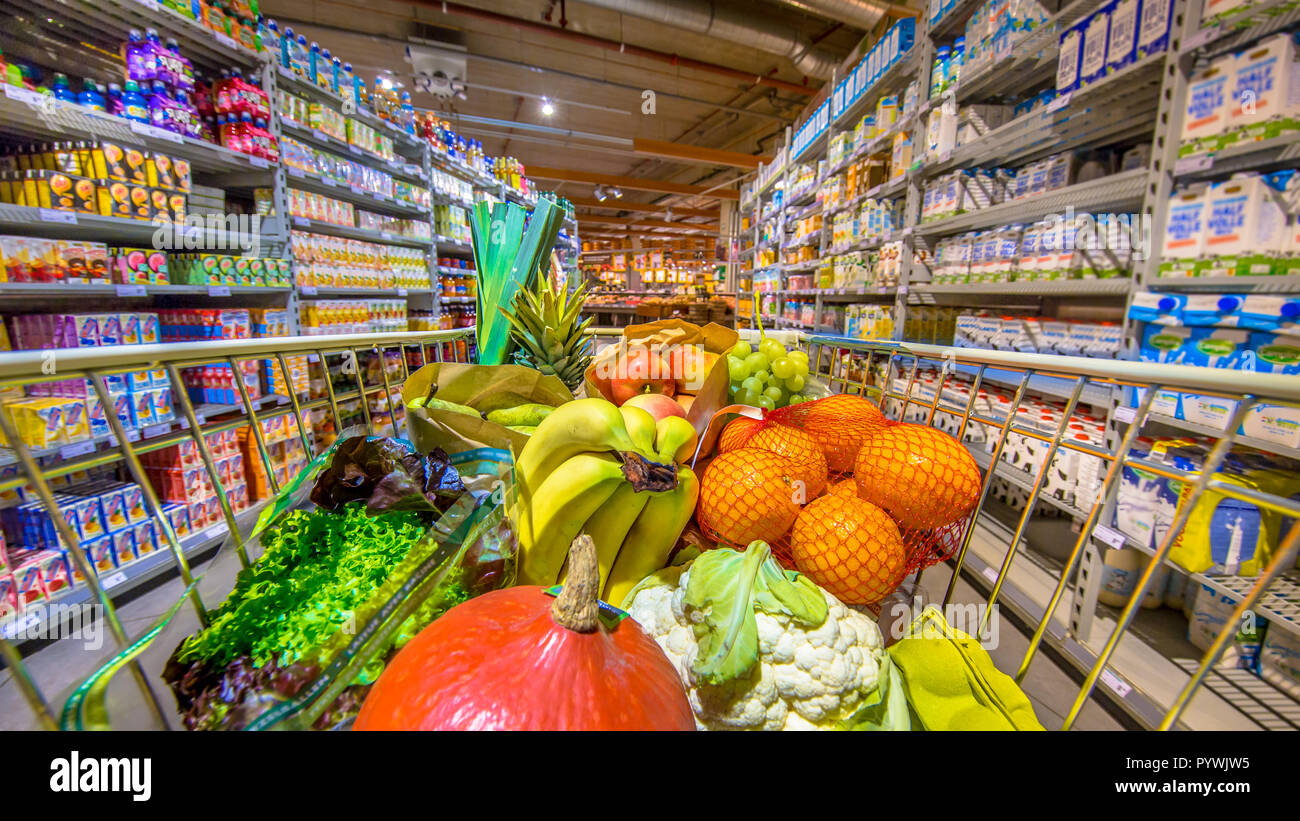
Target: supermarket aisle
{"x":61,"y":666}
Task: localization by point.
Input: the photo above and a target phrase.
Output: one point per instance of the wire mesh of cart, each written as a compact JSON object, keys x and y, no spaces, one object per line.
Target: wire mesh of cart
{"x":295,"y":392}
{"x":980,"y":397}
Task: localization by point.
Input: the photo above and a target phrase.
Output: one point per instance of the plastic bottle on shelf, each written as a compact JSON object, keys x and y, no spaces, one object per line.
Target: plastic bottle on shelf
{"x":332,"y":67}
{"x":135,"y":54}
{"x":160,"y":107}
{"x":952,"y":74}
{"x":13,"y":73}
{"x":268,"y":32}
{"x":938,"y":69}
{"x":301,"y":56}
{"x":190,"y":121}
{"x":113,"y":101}
{"x":183,"y":68}
{"x":90,"y":96}
{"x":152,"y":53}
{"x":286,"y":49}
{"x":314,"y":64}
{"x":347,"y":83}
{"x":134,"y":105}
{"x":408,"y":114}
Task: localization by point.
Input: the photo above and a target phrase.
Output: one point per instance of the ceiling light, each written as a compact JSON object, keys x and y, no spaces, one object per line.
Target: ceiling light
{"x":618,"y":193}
{"x":669,"y":214}
{"x":600,"y":193}
{"x":547,"y":108}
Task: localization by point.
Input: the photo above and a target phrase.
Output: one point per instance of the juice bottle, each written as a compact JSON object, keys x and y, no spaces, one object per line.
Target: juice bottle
{"x":335,"y":69}
{"x":408,"y":114}
{"x":135,"y":56}
{"x":90,"y":96}
{"x":221,"y":96}
{"x":270,"y":38}
{"x":182,"y":67}
{"x":347,"y":83}
{"x":134,"y":105}
{"x":286,"y":50}
{"x":301,"y":56}
{"x":114,"y":104}
{"x":61,"y":90}
{"x":160,"y":106}
{"x":259,"y":105}
{"x":188,"y":116}
{"x":153,"y":51}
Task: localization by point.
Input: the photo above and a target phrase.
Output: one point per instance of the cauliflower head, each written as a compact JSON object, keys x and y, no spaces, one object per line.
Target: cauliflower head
{"x":761,"y":648}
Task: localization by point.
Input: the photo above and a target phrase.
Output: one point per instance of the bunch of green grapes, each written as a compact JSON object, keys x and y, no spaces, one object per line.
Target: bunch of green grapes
{"x":770,"y":377}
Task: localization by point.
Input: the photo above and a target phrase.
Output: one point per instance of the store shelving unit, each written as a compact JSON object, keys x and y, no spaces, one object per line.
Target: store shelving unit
{"x":1142,"y":103}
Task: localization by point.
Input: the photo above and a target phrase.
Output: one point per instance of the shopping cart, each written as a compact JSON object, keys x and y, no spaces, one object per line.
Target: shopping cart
{"x":941,"y":386}
{"x":352,"y":380}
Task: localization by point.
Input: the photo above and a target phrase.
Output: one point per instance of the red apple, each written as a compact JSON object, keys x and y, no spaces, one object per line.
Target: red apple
{"x":657,"y":405}
{"x":641,"y":372}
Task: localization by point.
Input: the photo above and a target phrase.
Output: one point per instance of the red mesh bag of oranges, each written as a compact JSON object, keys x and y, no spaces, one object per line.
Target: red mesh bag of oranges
{"x":851,"y":499}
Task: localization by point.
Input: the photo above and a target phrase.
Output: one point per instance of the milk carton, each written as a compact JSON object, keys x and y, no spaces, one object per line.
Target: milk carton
{"x":1264,"y":97}
{"x":1268,"y":312}
{"x":1206,"y":114}
{"x":1222,"y":11}
{"x":1184,"y":239}
{"x":1154,"y":19}
{"x":1214,"y":348}
{"x":1122,"y":48}
{"x":1067,"y":60}
{"x":1243,"y":225}
{"x":1096,"y":37}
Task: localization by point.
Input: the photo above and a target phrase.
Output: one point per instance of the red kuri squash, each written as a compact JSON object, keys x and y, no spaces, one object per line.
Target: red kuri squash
{"x":518,"y":659}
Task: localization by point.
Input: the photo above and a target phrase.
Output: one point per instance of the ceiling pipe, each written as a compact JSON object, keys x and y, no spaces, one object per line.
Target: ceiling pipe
{"x":612,"y":45}
{"x":861,"y":14}
{"x":746,"y":28}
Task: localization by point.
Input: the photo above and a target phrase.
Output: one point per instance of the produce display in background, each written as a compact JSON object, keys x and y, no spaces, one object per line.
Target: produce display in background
{"x":762,"y":648}
{"x":508,"y":258}
{"x":610,"y":473}
{"x":844,"y":495}
{"x":547,"y":333}
{"x":459,"y":407}
{"x":324,"y":573}
{"x":520,"y":659}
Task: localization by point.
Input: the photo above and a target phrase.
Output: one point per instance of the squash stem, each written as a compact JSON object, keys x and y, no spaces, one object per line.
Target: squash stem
{"x":577,"y":608}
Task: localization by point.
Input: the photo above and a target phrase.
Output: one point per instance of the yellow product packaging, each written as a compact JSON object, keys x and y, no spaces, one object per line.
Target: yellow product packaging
{"x":59,"y":191}
{"x":159,"y":206}
{"x":141,"y":202}
{"x":181,"y":174}
{"x":37,"y":422}
{"x":161,"y":172}
{"x":76,"y":422}
{"x":65,"y":158}
{"x":176,"y":204}
{"x":115,"y":199}
{"x":1230,"y":537}
{"x":109,"y":163}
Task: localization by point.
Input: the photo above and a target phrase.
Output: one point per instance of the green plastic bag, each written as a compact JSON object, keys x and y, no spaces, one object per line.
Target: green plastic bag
{"x":951,"y":682}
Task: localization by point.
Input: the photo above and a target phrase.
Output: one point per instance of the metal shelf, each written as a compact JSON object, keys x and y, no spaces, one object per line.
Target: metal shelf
{"x":1217,"y":433}
{"x":382,"y":203}
{"x":46,"y":222}
{"x":452,"y":246}
{"x":40,"y":117}
{"x":952,"y":24}
{"x":1057,"y":387}
{"x":374,"y":293}
{"x":1119,"y":286}
{"x":101,"y":290}
{"x":1257,"y":285}
{"x":352,"y":232}
{"x":1260,"y":21}
{"x":1262,"y":154}
{"x":344,"y":148}
{"x":1121,"y":192}
{"x":892,"y":79}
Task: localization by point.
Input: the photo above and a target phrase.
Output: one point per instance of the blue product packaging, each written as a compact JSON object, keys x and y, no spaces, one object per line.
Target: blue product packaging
{"x":1275,"y":353}
{"x":133,"y":499}
{"x":123,"y":545}
{"x":1122,"y":48}
{"x":1158,"y":308}
{"x":146,"y":538}
{"x":1270,"y":312}
{"x":1154,"y":19}
{"x":1221,"y":310}
{"x":1092,"y":53}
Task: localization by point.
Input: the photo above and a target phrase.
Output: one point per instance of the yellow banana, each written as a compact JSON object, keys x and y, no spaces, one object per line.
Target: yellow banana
{"x":640,"y":429}
{"x":609,"y":525}
{"x":581,"y":426}
{"x":559,"y":509}
{"x":647,"y":545}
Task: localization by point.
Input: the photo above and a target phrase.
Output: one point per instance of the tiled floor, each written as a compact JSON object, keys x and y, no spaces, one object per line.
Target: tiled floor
{"x":60,"y":666}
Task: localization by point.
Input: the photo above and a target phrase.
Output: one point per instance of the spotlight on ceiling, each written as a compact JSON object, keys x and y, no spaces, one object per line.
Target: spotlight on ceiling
{"x":600,"y":193}
{"x":547,"y":108}
{"x":617,"y":192}
{"x":668,"y":215}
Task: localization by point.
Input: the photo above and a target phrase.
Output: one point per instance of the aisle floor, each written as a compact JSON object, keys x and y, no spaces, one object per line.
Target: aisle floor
{"x":61,"y":665}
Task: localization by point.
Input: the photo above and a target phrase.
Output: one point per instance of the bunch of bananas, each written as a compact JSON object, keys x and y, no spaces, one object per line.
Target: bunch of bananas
{"x":608,"y":472}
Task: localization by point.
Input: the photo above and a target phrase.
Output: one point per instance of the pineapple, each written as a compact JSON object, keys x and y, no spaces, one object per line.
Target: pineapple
{"x":546,"y":331}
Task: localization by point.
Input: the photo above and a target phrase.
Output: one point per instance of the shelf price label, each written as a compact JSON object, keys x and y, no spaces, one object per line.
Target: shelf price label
{"x":146,"y":130}
{"x":19,"y":627}
{"x":215,"y":532}
{"x":302,"y":221}
{"x":296,"y":172}
{"x":1115,"y":683}
{"x":401,"y":292}
{"x":55,"y":215}
{"x":1058,"y":104}
{"x":307,"y":290}
{"x":225,"y":40}
{"x":258,"y":162}
{"x":109,"y":582}
{"x":1187,"y":165}
{"x":1109,"y":536}
{"x":32,"y":98}
{"x":157,"y":430}
{"x":132,"y":290}
{"x":1201,"y":37}
{"x":1125,"y":414}
{"x":219,"y":290}
{"x":76,"y":449}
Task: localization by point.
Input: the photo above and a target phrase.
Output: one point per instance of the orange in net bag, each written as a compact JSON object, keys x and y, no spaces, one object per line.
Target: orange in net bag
{"x":850,"y":547}
{"x":748,"y":494}
{"x":838,"y":423}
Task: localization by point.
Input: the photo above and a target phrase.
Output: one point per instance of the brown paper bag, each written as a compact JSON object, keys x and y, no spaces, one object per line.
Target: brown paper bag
{"x":713,"y":338}
{"x":484,"y":388}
